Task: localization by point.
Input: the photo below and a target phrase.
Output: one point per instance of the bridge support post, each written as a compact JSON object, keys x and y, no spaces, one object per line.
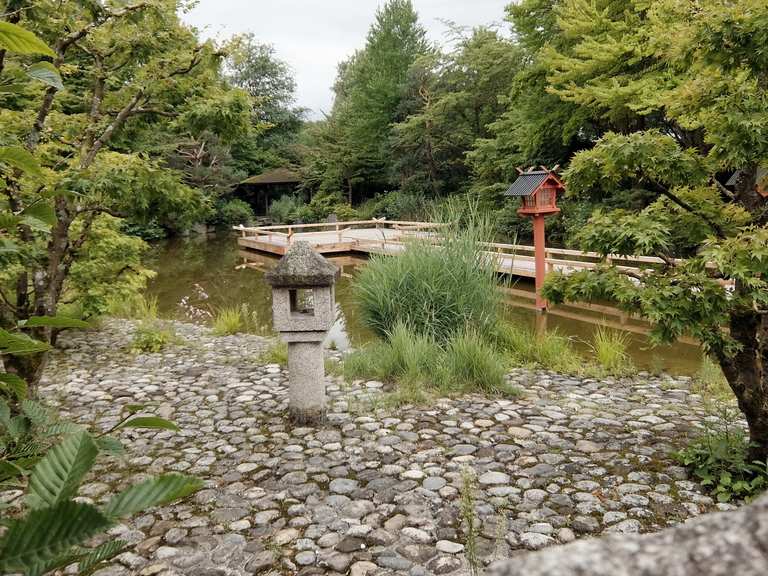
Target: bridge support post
{"x":540,"y":253}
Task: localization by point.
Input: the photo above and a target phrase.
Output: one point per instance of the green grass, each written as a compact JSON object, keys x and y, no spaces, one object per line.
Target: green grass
{"x":152,"y":337}
{"x":228,"y":321}
{"x":422,"y":368}
{"x":711,"y":384}
{"x":547,"y":350}
{"x":275,"y":354}
{"x":435,"y":290}
{"x":610,"y":351}
{"x":139,"y":307}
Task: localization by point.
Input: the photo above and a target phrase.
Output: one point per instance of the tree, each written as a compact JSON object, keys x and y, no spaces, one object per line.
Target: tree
{"x":450,"y":101}
{"x":369,"y":90}
{"x":255,"y":68}
{"x":83,"y":153}
{"x":708,"y":113}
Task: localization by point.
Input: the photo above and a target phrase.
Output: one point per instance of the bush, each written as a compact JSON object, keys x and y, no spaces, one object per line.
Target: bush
{"x":435,"y":290}
{"x":283,"y":210}
{"x":151,"y":337}
{"x":234,"y":212}
{"x":228,"y":321}
{"x":610,"y":350}
{"x":718,"y":459}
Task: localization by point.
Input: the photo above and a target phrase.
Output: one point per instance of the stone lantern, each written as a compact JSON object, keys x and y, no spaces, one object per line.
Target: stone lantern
{"x":303,"y":310}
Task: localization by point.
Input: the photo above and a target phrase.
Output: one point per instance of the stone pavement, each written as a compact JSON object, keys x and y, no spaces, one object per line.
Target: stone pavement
{"x":373,"y":492}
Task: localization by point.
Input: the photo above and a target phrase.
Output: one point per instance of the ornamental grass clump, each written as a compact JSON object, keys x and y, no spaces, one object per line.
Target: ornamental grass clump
{"x":610,"y":350}
{"x":437,"y":286}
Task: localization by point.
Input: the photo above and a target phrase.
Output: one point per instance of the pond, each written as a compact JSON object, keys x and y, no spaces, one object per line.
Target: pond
{"x":197,"y":276}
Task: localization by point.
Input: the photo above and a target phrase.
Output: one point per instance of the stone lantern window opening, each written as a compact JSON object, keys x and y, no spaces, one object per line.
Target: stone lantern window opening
{"x":302,"y":301}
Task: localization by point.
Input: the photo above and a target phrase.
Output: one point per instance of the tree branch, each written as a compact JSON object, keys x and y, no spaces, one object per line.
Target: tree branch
{"x":716,"y":228}
{"x":119,"y":120}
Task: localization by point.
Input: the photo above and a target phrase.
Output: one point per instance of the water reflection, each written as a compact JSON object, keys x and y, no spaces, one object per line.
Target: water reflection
{"x":211,"y":273}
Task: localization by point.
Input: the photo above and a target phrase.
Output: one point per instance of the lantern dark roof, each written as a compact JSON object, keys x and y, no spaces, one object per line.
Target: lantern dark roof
{"x":527,"y":183}
{"x":302,"y":267}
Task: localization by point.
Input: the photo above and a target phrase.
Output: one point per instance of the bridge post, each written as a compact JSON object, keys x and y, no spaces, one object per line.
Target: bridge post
{"x":540,"y":253}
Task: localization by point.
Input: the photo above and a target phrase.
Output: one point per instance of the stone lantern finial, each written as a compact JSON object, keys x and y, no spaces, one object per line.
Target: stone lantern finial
{"x":303,"y":310}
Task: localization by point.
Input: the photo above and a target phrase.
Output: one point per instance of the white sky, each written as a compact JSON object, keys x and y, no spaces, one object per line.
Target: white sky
{"x":313,"y":36}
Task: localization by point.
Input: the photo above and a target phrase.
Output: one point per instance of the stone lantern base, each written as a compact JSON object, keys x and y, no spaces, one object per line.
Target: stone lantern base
{"x":306,"y":365}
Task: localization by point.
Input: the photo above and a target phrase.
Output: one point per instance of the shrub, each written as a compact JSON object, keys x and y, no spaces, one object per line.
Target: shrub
{"x":718,"y":459}
{"x":152,"y":337}
{"x":610,"y":350}
{"x":435,"y":290}
{"x":228,"y":321}
{"x":282,"y":210}
{"x":233,"y":212}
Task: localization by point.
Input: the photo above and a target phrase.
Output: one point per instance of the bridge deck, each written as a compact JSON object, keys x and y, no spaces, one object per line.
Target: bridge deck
{"x":390,"y":237}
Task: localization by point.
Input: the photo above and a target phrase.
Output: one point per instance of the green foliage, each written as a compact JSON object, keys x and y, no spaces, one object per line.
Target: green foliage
{"x":422,"y":367}
{"x":610,"y":351}
{"x":228,"y":321}
{"x":435,"y":290}
{"x":234,"y":212}
{"x":719,"y":459}
{"x":138,"y":307}
{"x":548,"y":349}
{"x":275,"y":354}
{"x":53,"y":529}
{"x":711,"y":383}
{"x":152,"y":337}
{"x":283,"y":209}
{"x":17,"y":39}
{"x":467,"y":503}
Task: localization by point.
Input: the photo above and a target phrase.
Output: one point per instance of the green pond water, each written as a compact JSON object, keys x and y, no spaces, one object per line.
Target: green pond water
{"x":196,"y":276}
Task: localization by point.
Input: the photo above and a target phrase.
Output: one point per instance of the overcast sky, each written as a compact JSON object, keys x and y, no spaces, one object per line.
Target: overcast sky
{"x":313,"y":36}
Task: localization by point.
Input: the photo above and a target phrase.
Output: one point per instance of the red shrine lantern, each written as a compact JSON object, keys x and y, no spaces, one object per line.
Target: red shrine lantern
{"x":538,"y":190}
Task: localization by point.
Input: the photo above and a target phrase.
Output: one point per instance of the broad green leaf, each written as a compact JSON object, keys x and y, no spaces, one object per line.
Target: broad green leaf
{"x":110,"y":445}
{"x":20,"y":158}
{"x":42,"y":211}
{"x":34,"y":542}
{"x":13,"y":384}
{"x":5,"y":414}
{"x":149,"y":422}
{"x":153,"y":492}
{"x":57,"y":476}
{"x":16,"y":39}
{"x":20,"y":344}
{"x":54,"y":322}
{"x":38,"y":414}
{"x":8,"y":247}
{"x":100,"y":554}
{"x":46,"y":73}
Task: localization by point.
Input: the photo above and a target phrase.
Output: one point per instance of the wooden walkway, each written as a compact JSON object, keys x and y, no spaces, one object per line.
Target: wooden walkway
{"x":390,"y":237}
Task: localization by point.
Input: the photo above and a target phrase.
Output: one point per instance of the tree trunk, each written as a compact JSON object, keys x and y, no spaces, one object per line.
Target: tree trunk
{"x":747,"y":378}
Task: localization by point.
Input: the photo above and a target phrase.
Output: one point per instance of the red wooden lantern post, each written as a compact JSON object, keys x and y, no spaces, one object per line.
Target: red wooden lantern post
{"x":538,"y":190}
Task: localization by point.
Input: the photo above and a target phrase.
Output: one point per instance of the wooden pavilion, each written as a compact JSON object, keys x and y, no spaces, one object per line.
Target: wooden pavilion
{"x":261,"y":189}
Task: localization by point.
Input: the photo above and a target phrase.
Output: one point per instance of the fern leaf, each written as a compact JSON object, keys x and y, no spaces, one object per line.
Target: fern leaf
{"x":57,"y":476}
{"x":153,"y":492}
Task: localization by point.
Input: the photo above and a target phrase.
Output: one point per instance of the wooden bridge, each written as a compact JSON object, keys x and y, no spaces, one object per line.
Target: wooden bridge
{"x":390,"y":237}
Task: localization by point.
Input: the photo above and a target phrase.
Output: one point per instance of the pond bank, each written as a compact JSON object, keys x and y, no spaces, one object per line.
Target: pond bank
{"x":372,"y":492}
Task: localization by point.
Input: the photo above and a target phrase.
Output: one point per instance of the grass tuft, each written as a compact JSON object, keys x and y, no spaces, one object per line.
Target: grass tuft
{"x":228,"y":321}
{"x":275,"y":354}
{"x":610,"y":351}
{"x":711,"y":383}
{"x":139,"y":307}
{"x":547,"y":350}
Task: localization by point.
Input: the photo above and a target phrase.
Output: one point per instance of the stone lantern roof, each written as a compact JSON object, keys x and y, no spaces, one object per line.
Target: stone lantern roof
{"x":301,"y":267}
